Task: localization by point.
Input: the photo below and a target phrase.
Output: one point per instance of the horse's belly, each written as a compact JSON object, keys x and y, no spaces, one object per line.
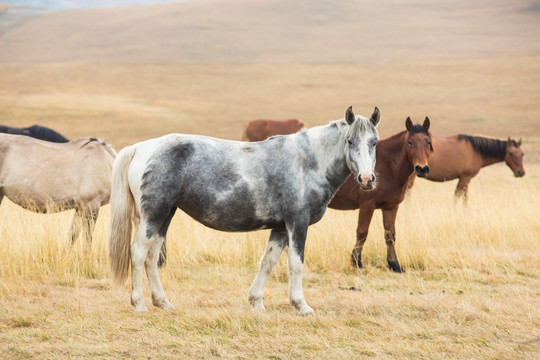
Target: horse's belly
{"x":236,"y":214}
{"x":233,"y":221}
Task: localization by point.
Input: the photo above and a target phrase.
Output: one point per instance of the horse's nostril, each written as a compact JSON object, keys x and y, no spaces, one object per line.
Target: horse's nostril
{"x":426,"y":169}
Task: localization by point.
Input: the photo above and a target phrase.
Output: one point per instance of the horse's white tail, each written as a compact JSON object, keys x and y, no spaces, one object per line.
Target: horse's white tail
{"x":122,"y":206}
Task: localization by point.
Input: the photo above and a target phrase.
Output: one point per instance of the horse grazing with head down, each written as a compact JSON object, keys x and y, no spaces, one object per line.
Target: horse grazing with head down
{"x":262,"y":129}
{"x":399,"y":157}
{"x":462,"y":156}
{"x":35,"y":131}
{"x":49,"y":177}
{"x":284,"y":184}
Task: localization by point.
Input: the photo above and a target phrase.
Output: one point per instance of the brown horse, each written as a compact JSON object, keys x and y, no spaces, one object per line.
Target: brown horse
{"x":261,"y":129}
{"x":462,"y":156}
{"x":398,"y":158}
{"x":46,"y":177}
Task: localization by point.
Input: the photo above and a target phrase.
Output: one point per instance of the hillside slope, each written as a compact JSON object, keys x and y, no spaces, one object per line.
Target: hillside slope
{"x":276,"y":31}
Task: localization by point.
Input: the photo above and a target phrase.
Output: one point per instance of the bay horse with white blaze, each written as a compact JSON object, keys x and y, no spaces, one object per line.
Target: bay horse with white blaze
{"x":261,"y":129}
{"x":44,"y":177}
{"x":399,"y":157}
{"x":462,"y":156}
{"x":284,"y":184}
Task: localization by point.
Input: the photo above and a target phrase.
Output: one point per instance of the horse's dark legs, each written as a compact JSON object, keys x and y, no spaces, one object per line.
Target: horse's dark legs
{"x":364,"y":219}
{"x":461,"y":189}
{"x":277,"y":242}
{"x":389,"y":222}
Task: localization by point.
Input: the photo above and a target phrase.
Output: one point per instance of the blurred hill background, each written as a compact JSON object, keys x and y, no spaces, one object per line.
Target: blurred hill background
{"x":207,"y":66}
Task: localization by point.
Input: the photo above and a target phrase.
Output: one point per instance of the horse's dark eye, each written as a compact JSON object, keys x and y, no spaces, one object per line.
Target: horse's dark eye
{"x":349,"y":141}
{"x":374,"y":144}
{"x":409,"y":142}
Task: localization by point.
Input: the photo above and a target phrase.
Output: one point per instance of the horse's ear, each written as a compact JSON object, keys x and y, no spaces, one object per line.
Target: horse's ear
{"x":519,"y":142}
{"x":349,"y":116}
{"x":509,"y":142}
{"x":408,"y":123}
{"x":426,"y":123}
{"x":375,"y":117}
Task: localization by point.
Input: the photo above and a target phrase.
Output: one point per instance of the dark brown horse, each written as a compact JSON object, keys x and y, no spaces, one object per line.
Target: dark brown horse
{"x":462,"y":156}
{"x":261,"y":129}
{"x":398,"y":158}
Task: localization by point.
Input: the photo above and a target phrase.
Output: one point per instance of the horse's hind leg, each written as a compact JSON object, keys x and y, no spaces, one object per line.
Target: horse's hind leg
{"x":461,"y":189}
{"x":139,"y":251}
{"x":389,"y":222}
{"x":158,"y":295}
{"x":276,"y":244}
{"x":76,"y":225}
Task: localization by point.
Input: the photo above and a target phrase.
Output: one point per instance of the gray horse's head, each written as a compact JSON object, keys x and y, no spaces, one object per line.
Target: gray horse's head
{"x":362,"y":137}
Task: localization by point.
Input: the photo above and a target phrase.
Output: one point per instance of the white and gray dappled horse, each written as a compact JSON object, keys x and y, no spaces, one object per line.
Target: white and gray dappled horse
{"x":284,"y":183}
{"x":45,"y":177}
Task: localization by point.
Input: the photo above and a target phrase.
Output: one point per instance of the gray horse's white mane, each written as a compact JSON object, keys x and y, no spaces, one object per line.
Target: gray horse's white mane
{"x":360,"y":126}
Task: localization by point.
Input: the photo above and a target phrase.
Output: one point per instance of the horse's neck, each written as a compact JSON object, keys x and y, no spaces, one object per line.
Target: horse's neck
{"x":328,"y":147}
{"x":490,"y":160}
{"x":393,"y":154}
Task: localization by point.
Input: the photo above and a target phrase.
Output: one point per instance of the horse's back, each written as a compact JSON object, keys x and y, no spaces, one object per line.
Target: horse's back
{"x":451,"y":159}
{"x":261,"y":129}
{"x":37,"y":170}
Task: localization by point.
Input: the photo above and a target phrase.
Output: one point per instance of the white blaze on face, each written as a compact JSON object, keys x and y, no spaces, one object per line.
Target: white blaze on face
{"x":366,"y":163}
{"x":361,"y":152}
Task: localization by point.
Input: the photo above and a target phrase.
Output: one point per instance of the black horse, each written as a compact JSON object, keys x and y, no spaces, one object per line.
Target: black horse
{"x":35,"y":131}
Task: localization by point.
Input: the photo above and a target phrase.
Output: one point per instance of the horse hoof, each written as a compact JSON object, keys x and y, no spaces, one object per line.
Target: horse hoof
{"x":141,"y":308}
{"x":356,"y":261}
{"x":163,"y":304}
{"x":306,"y":311}
{"x":395,"y":267}
{"x":256,"y":304}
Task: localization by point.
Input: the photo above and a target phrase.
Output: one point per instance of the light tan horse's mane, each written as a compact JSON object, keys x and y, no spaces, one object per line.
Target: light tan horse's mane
{"x":101,"y":142}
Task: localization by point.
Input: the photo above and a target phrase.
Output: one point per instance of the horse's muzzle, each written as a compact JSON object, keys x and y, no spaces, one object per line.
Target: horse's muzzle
{"x":366,"y":183}
{"x":421,"y":171}
{"x":519,"y":173}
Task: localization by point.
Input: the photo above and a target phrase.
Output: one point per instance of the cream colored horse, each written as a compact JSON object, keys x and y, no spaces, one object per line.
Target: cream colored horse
{"x":50,"y":177}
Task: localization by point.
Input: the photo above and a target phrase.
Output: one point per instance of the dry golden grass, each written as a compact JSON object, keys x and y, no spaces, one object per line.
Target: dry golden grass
{"x":471,"y":289}
{"x":129,"y":103}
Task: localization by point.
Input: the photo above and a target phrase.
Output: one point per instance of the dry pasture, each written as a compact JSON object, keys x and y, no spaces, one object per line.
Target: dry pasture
{"x":472,"y":287}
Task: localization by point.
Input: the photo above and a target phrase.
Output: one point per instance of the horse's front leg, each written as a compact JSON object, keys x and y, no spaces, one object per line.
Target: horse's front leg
{"x":277,"y":242}
{"x":389,"y":223}
{"x":297,"y":241}
{"x":364,"y":219}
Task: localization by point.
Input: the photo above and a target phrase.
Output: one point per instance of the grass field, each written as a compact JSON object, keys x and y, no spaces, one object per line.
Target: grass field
{"x":472,"y":286}
{"x":471,"y":289}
